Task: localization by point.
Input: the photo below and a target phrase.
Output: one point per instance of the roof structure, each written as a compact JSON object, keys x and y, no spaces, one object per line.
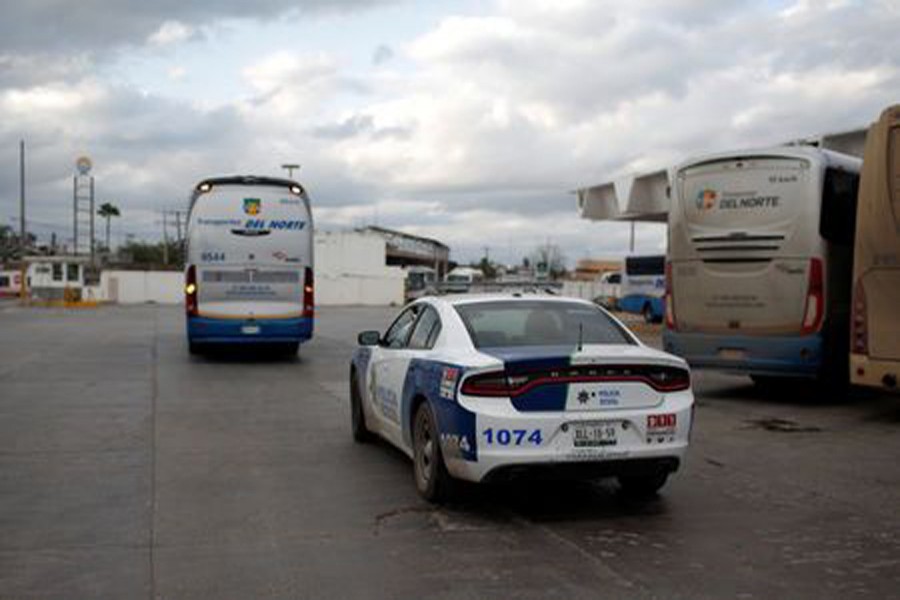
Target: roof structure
{"x":645,"y":196}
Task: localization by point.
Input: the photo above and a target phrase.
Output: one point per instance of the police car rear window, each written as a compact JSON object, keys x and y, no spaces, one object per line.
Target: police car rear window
{"x":537,"y":323}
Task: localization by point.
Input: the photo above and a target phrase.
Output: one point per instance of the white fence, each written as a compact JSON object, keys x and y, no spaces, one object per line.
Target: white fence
{"x":350,"y":270}
{"x":592,"y":290}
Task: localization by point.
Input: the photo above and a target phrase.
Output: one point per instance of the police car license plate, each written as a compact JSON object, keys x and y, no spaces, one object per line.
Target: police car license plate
{"x":595,"y":434}
{"x":250,"y":329}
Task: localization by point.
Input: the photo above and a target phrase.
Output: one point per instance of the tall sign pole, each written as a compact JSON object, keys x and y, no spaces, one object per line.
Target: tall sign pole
{"x":83,"y":207}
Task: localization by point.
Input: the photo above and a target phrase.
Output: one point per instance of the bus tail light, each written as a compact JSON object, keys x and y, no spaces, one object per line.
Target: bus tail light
{"x":859,"y":330}
{"x":308,"y":296}
{"x":669,"y":299}
{"x":815,"y":298}
{"x":190,"y":291}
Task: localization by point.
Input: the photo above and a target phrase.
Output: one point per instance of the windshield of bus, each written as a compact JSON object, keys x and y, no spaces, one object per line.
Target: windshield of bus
{"x":538,"y":323}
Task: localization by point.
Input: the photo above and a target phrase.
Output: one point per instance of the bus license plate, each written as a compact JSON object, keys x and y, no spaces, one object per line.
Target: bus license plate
{"x":595,"y":435}
{"x":733,"y":353}
{"x":250,"y":329}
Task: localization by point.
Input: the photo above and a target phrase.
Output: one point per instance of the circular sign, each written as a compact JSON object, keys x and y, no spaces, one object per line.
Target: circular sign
{"x":83,"y":164}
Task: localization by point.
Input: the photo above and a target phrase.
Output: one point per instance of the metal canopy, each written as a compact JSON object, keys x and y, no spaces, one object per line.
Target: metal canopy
{"x":645,"y":197}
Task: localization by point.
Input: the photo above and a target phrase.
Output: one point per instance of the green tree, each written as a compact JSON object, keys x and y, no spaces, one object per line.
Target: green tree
{"x":108,"y":211}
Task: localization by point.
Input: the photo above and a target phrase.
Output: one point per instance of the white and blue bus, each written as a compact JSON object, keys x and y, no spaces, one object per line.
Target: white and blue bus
{"x":643,"y":286}
{"x":758,"y":280}
{"x":249,"y":271}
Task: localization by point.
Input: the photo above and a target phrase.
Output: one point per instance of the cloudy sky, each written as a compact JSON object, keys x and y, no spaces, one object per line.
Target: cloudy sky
{"x":469,"y":121}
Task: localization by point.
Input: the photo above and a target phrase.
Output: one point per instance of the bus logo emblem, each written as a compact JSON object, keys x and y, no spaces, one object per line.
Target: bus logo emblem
{"x":252,"y":206}
{"x":706,"y":199}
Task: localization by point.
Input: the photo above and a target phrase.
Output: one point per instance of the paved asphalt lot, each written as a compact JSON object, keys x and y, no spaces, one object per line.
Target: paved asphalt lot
{"x":130,"y":470}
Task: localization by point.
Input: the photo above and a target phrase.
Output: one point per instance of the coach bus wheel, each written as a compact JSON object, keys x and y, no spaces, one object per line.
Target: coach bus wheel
{"x":644,"y":485}
{"x":433,"y":482}
{"x":361,"y":433}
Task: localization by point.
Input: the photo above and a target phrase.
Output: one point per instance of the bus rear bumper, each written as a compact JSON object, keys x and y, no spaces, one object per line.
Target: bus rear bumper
{"x":206,"y":330}
{"x":751,"y":355}
{"x":875,"y":373}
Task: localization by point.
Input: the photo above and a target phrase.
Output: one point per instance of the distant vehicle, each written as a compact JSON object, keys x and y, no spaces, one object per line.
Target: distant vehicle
{"x":420,"y":281}
{"x":249,"y":273}
{"x":759,"y":274}
{"x":461,"y":279}
{"x":875,"y":325}
{"x":10,"y":283}
{"x":610,"y":290}
{"x":482,"y":387}
{"x":643,"y":286}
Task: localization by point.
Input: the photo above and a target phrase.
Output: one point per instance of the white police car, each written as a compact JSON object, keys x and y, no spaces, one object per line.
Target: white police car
{"x":482,"y":387}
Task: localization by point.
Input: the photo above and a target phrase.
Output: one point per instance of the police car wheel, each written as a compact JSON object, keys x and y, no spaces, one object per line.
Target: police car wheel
{"x":648,"y":314}
{"x":361,"y":433}
{"x":433,"y":482}
{"x":194,"y":348}
{"x":644,"y":485}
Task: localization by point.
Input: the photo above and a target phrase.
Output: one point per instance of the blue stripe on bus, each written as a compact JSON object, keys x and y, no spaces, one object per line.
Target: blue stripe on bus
{"x":228,"y":331}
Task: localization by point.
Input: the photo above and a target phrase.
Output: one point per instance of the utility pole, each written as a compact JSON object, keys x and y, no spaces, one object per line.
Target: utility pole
{"x":23,"y":280}
{"x":290,"y":168}
{"x":631,"y":242}
{"x":165,"y":241}
{"x":22,"y":242}
{"x":178,"y":226}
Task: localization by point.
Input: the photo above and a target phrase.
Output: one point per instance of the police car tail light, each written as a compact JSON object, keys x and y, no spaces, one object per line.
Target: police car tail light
{"x":499,"y":383}
{"x":190,"y":291}
{"x":308,"y":296}
{"x":669,"y":299}
{"x":859,"y":326}
{"x":492,"y":383}
{"x":815,"y":298}
{"x":669,"y":379}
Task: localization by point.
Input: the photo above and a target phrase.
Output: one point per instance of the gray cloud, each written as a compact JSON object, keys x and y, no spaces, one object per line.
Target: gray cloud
{"x":61,"y":25}
{"x":382,"y":54}
{"x":359,"y":125}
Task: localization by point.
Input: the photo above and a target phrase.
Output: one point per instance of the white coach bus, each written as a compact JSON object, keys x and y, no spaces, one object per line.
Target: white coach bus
{"x":875,"y":339}
{"x":759,"y":277}
{"x":249,"y":271}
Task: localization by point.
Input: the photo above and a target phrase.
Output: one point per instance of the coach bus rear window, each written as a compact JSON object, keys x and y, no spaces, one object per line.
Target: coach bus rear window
{"x":526,"y":323}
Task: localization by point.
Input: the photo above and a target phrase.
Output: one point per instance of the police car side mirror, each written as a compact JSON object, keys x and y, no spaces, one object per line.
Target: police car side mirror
{"x":369,"y":338}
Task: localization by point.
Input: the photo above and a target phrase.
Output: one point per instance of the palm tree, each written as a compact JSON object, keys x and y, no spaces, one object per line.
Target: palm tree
{"x":108,"y":211}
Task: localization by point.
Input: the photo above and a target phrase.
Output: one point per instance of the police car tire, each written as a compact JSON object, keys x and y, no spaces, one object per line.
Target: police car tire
{"x":643,"y":486}
{"x":361,"y":433}
{"x":194,"y":348}
{"x":648,"y":314}
{"x":433,"y":482}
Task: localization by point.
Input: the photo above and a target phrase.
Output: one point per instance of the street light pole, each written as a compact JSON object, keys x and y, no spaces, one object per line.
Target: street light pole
{"x":290,"y":168}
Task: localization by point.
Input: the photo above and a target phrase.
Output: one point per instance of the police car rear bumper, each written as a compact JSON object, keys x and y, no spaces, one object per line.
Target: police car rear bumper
{"x":635,"y":447}
{"x":207,"y":330}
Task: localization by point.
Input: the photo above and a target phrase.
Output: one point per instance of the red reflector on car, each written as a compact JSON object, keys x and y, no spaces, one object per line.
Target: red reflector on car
{"x":666,"y":421}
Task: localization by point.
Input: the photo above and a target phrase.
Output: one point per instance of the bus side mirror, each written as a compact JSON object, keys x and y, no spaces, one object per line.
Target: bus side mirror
{"x":369,"y":338}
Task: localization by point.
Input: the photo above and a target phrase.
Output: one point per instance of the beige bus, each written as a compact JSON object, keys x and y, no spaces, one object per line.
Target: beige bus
{"x":875,"y":325}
